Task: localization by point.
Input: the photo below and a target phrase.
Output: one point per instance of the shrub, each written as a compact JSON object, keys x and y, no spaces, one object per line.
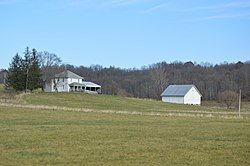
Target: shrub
{"x":228,"y":97}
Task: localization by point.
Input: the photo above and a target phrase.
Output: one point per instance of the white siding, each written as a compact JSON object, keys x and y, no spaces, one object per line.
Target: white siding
{"x":192,"y":97}
{"x":179,"y":100}
{"x":62,"y":85}
{"x":48,"y":87}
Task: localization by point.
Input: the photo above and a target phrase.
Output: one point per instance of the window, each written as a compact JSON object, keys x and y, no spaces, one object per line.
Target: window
{"x":63,"y":86}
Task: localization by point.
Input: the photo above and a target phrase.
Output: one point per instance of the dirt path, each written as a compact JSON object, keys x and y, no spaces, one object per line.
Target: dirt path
{"x":170,"y":113}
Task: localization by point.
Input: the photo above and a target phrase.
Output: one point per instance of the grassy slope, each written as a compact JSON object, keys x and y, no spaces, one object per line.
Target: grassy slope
{"x":106,"y":102}
{"x":50,"y":137}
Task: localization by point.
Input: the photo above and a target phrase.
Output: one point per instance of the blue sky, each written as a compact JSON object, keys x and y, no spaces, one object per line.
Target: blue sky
{"x":127,"y":33}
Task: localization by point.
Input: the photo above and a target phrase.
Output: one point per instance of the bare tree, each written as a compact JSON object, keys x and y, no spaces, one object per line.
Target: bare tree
{"x":159,"y":77}
{"x":3,"y":75}
{"x":228,"y":97}
{"x":49,"y":65}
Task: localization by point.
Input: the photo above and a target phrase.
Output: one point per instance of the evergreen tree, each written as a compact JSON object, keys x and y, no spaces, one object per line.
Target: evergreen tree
{"x":34,"y":71}
{"x":16,"y":77}
{"x":24,"y":74}
{"x":26,"y":66}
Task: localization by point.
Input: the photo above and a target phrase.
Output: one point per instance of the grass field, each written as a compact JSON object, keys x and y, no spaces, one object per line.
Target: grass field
{"x":109,"y":102}
{"x":48,"y":135}
{"x":79,"y":100}
{"x":62,"y":137}
{"x":116,"y":103}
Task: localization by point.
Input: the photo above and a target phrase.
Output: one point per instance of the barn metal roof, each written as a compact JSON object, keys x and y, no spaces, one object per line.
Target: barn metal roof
{"x":178,"y":90}
{"x":68,"y":74}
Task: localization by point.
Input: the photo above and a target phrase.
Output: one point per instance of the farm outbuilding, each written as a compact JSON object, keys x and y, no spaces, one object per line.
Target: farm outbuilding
{"x":182,"y":94}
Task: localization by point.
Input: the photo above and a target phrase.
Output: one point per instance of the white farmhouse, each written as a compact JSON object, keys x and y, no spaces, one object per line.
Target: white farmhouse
{"x":182,"y":94}
{"x":68,"y":81}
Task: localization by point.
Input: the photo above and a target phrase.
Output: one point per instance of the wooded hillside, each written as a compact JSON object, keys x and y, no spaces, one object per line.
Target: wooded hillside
{"x":150,"y":81}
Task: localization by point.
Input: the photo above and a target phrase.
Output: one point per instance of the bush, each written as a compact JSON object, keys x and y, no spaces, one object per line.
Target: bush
{"x":228,"y":97}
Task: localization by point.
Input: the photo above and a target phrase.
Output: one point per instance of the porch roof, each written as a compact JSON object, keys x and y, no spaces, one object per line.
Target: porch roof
{"x":85,"y":84}
{"x":91,"y":84}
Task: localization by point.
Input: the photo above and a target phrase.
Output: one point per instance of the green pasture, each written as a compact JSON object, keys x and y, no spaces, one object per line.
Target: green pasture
{"x":45,"y":137}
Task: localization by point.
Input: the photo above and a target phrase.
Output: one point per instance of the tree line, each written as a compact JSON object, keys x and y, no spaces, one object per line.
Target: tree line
{"x":36,"y":68}
{"x":150,"y":81}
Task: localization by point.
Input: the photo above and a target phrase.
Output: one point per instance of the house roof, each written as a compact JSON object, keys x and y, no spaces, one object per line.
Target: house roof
{"x":85,"y":83}
{"x":68,"y":74}
{"x":178,"y":90}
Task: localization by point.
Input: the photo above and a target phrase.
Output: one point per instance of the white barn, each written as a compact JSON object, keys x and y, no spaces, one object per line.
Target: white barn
{"x":68,"y":81}
{"x":182,"y":94}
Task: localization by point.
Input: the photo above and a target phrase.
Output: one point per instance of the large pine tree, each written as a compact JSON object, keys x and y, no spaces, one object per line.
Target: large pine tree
{"x":34,"y":71}
{"x":16,"y":76}
{"x":26,"y":66}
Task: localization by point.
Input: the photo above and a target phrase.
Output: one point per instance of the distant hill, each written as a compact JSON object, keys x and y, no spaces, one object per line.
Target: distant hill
{"x":150,"y":81}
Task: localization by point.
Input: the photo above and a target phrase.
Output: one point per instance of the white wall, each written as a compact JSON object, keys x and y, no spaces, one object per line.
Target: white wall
{"x":179,"y":100}
{"x":48,"y":87}
{"x":192,"y":97}
{"x":62,"y":85}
